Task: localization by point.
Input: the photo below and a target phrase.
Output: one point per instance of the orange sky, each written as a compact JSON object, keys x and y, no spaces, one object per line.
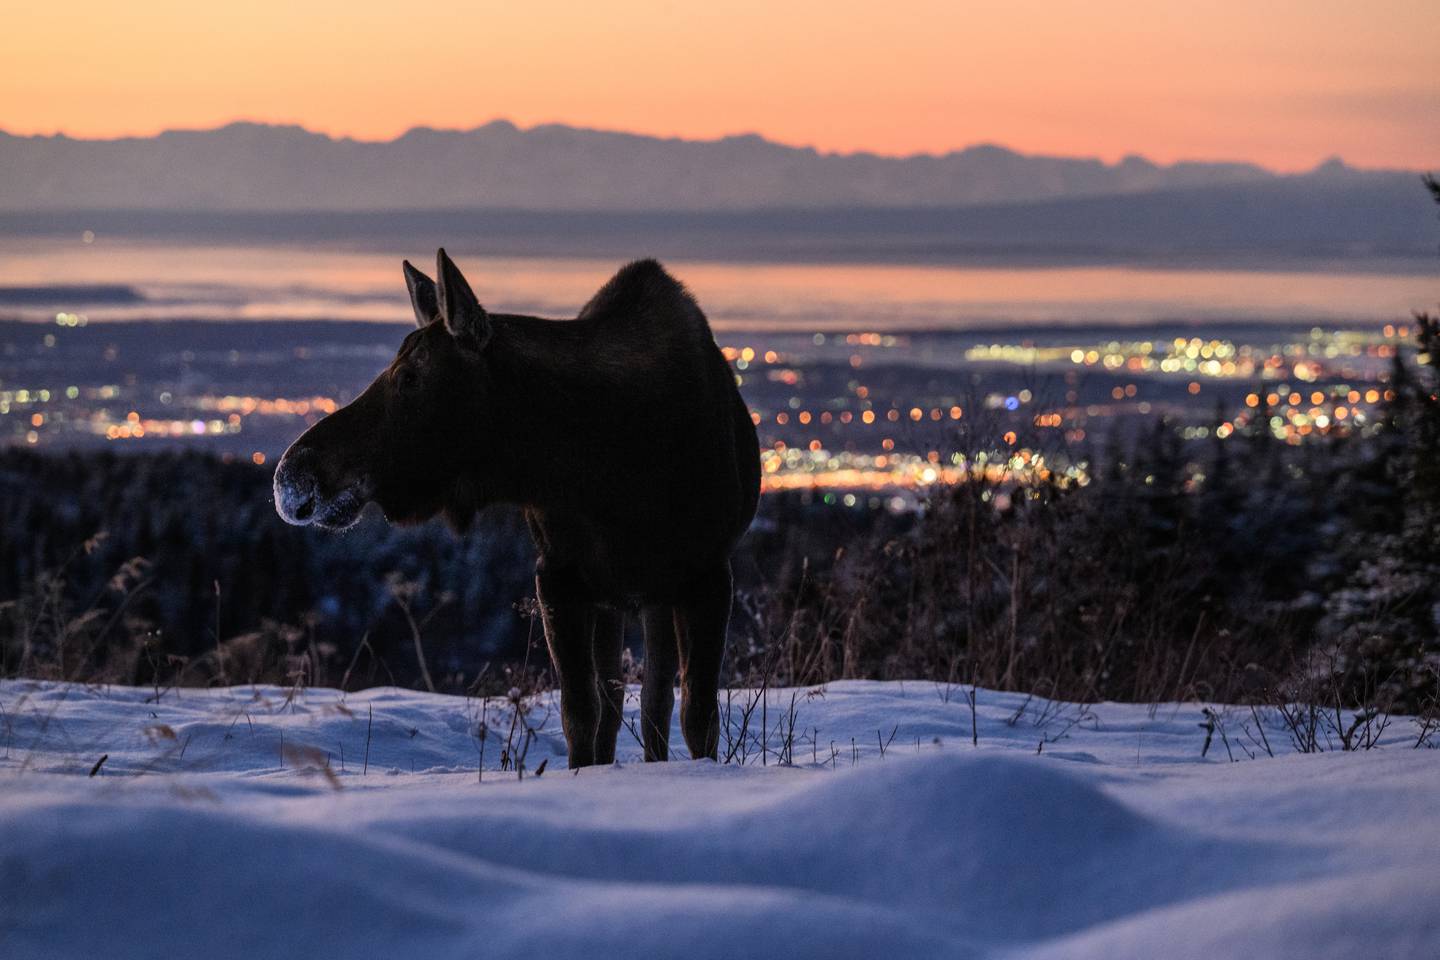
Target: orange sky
{"x":1282,"y":82}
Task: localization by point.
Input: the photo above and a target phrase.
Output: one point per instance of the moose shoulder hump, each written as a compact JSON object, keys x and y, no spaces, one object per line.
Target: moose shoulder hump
{"x":643,"y":296}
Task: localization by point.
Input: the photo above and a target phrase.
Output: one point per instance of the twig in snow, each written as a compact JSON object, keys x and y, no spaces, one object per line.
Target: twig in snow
{"x":974,"y":721}
{"x":369,"y":725}
{"x":886,"y":743}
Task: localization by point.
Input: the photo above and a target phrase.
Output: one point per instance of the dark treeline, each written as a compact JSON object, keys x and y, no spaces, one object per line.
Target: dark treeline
{"x":125,"y":566}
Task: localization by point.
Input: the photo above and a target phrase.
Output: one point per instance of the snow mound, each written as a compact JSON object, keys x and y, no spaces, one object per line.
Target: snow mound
{"x":215,"y":827}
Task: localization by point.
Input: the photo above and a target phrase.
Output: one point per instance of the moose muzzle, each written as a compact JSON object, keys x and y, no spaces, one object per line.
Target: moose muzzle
{"x":304,"y":495}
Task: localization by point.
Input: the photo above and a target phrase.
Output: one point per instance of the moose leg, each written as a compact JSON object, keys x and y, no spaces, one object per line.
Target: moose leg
{"x":700,"y":622}
{"x":657,"y":694}
{"x":607,"y":645}
{"x":569,"y":624}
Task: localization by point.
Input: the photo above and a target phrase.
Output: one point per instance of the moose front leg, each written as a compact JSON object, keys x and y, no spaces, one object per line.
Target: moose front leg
{"x":700,"y":622}
{"x":657,"y":692}
{"x":569,"y":621}
{"x":607,"y":645}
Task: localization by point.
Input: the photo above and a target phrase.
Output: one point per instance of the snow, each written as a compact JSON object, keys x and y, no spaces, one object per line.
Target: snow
{"x":203,"y":835}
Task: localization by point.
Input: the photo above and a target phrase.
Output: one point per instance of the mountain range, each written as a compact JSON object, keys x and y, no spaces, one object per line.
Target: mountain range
{"x":253,"y":167}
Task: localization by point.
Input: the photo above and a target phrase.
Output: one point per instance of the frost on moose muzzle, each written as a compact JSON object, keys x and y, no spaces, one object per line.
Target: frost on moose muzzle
{"x":305,"y":495}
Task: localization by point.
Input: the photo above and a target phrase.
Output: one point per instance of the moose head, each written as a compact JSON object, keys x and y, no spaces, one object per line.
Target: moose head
{"x":399,"y":444}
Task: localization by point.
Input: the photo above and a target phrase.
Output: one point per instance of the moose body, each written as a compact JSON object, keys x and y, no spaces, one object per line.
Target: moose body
{"x":622,"y":436}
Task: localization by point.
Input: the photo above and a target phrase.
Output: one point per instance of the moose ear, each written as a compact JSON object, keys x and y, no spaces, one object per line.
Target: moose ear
{"x":466,"y":320}
{"x":424,"y":298}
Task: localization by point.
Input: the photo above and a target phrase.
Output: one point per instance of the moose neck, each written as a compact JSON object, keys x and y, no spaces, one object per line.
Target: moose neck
{"x":545,"y":397}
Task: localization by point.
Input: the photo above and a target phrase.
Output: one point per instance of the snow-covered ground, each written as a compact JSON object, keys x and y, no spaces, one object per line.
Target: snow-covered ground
{"x":213,"y":830}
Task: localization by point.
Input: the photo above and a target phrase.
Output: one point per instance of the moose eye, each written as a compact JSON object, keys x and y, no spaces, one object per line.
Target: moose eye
{"x":404,"y":379}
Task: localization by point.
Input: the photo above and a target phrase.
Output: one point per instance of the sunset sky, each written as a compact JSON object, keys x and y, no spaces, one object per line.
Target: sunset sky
{"x":1284,"y":82}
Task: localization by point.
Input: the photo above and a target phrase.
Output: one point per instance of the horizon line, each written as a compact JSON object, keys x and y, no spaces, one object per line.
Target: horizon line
{"x":1333,"y":159}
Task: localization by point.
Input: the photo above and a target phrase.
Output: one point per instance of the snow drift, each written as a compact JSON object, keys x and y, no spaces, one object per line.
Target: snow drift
{"x":262,"y":822}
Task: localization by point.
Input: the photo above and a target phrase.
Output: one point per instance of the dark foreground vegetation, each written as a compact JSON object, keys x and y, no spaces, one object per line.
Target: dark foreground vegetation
{"x":1242,"y":569}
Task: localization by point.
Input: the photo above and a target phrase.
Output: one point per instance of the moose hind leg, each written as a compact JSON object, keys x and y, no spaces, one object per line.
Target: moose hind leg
{"x":569,"y":624}
{"x":657,"y":694}
{"x":608,"y":643}
{"x":700,"y":623}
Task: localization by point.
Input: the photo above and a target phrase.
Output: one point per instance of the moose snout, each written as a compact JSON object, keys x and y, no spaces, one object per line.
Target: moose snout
{"x":310,"y":490}
{"x":295,"y":486}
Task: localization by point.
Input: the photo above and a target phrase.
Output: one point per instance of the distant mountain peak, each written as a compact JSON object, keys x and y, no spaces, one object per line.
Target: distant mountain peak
{"x":1333,"y":166}
{"x":250,"y":131}
{"x":748,"y":137}
{"x":986,"y":150}
{"x":1136,"y":161}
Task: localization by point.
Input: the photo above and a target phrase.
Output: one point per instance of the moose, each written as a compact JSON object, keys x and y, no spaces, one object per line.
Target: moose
{"x":623,"y":438}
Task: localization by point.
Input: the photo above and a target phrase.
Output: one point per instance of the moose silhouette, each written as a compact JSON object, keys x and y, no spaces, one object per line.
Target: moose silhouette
{"x":622,"y":436}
